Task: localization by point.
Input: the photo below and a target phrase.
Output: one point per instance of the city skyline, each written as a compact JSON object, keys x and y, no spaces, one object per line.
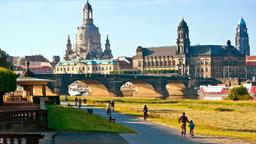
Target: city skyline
{"x":44,"y":26}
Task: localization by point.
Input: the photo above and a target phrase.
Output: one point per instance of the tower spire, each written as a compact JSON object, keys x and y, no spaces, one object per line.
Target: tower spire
{"x":242,"y":38}
{"x":88,"y":13}
{"x":107,"y":54}
{"x":183,"y":42}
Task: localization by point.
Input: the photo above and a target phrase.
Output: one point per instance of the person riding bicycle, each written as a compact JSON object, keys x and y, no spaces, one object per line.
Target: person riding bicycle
{"x":145,"y":112}
{"x":183,"y":120}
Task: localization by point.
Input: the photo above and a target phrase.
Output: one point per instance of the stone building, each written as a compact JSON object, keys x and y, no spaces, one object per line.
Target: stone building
{"x":38,"y":64}
{"x":88,"y":40}
{"x":90,"y":66}
{"x":206,"y":61}
{"x":250,"y":67}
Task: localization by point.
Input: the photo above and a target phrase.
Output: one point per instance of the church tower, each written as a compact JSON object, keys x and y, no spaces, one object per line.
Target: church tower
{"x":242,"y":38}
{"x":88,"y":38}
{"x":69,"y":49}
{"x":107,"y":54}
{"x":183,"y":42}
{"x":88,"y":13}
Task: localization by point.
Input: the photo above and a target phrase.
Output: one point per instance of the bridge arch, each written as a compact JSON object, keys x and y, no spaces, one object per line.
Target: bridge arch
{"x":180,"y":90}
{"x":91,"y":87}
{"x":138,"y":89}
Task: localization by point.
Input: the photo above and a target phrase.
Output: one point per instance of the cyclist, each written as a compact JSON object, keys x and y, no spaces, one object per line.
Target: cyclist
{"x":183,"y":120}
{"x":145,"y":112}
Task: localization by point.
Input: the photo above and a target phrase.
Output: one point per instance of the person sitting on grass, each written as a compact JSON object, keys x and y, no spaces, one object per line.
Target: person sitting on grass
{"x":191,"y":127}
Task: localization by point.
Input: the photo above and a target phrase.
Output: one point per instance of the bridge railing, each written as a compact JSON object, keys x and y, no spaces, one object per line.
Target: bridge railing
{"x":20,"y":138}
{"x":27,"y":138}
{"x":23,"y":115}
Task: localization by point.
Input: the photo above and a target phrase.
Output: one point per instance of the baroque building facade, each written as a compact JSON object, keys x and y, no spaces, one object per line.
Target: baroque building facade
{"x":88,"y":40}
{"x":207,"y":61}
{"x":91,"y":66}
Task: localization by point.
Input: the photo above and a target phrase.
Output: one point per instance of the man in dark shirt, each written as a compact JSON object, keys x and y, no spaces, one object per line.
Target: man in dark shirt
{"x":183,"y":120}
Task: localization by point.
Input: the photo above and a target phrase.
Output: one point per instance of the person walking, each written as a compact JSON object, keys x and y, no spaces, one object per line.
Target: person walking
{"x":76,"y":101}
{"x":191,"y":128}
{"x":145,"y":112}
{"x":79,"y":103}
{"x":112,"y":105}
{"x":183,"y":120}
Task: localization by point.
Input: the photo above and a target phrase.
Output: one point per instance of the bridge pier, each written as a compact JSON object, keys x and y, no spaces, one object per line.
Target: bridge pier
{"x":160,"y":87}
{"x":114,"y":87}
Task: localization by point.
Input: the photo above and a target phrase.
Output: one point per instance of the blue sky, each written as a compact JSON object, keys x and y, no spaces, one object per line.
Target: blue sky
{"x":42,"y":26}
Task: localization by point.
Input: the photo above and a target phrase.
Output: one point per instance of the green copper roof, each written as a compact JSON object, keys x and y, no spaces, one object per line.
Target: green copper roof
{"x":242,"y":22}
{"x":87,"y":62}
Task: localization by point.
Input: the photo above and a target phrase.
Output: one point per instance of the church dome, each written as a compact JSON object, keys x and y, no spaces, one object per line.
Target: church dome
{"x":183,"y":23}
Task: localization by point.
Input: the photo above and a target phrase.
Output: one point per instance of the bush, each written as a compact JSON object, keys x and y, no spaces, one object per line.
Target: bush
{"x":223,"y":109}
{"x":239,"y":93}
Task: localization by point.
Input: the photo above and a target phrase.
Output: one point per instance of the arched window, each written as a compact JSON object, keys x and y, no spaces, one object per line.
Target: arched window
{"x":81,"y":37}
{"x":173,"y":62}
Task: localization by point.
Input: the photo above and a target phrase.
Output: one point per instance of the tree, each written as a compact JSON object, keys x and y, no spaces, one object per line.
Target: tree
{"x":7,"y":82}
{"x":3,"y":59}
{"x":239,"y":93}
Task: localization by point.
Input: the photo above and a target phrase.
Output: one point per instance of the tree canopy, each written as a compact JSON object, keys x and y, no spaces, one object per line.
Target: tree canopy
{"x":239,"y":93}
{"x":3,"y":59}
{"x":7,"y":82}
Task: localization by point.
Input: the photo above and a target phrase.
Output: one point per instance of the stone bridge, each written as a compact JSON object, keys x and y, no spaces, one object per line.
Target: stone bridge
{"x":149,"y":86}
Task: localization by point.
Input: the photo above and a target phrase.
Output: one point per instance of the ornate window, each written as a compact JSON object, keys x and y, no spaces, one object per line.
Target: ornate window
{"x":81,"y":36}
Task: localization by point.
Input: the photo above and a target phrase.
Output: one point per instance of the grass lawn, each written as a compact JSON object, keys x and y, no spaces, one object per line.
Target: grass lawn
{"x":70,"y":119}
{"x":212,"y":118}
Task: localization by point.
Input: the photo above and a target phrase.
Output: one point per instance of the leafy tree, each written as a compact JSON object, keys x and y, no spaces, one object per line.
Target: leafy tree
{"x":7,"y":82}
{"x":239,"y":93}
{"x":3,"y":59}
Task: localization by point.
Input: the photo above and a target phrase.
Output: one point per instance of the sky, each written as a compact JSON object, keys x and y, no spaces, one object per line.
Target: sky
{"x":42,"y":26}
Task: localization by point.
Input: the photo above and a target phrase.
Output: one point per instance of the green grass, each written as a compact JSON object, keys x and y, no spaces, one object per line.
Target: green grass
{"x":212,"y":118}
{"x":70,"y":119}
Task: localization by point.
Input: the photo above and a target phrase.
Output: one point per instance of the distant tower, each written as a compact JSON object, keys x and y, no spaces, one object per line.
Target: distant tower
{"x":88,"y":38}
{"x":88,"y":13}
{"x":183,"y":42}
{"x":107,"y":54}
{"x":69,"y":49}
{"x":242,"y":38}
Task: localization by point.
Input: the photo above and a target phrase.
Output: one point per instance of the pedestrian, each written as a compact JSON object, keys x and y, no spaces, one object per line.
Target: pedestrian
{"x":112,"y":105}
{"x":183,"y":120}
{"x":191,"y":127}
{"x":76,"y":101}
{"x":145,"y":112}
{"x":79,"y":103}
{"x":84,"y":101}
{"x":66,"y":98}
{"x":109,"y":108}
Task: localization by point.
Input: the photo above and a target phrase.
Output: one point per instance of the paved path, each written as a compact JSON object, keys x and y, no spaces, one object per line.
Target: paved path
{"x":148,"y":132}
{"x":89,"y":138}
